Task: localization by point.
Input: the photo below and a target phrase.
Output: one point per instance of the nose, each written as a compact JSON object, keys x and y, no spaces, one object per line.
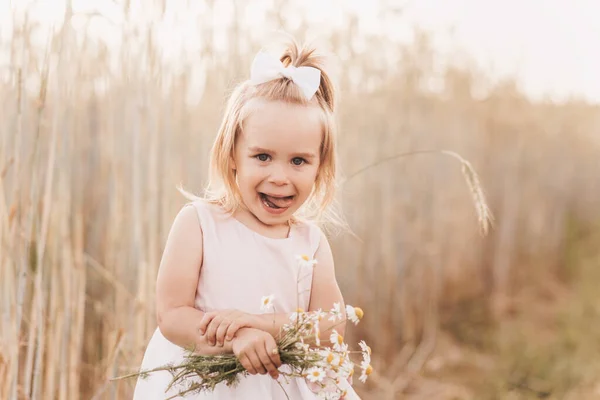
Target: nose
{"x":278,"y":175}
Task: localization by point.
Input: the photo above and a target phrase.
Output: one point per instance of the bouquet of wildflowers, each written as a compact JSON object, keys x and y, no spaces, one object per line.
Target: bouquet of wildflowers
{"x":324,"y":367}
{"x":328,"y":369}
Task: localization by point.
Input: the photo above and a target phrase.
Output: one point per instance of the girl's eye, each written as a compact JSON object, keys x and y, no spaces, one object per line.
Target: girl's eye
{"x":262,"y":157}
{"x":298,"y":161}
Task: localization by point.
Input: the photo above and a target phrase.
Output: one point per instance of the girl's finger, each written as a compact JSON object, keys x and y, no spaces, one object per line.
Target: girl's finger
{"x":245,"y":361}
{"x":211,"y":331}
{"x":206,"y":318}
{"x":232,"y":329}
{"x":273,"y":351}
{"x":221,"y":330}
{"x":265,"y":358}
{"x":256,"y":362}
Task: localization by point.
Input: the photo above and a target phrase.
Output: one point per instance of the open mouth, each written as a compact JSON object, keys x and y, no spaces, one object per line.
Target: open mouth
{"x":276,"y":202}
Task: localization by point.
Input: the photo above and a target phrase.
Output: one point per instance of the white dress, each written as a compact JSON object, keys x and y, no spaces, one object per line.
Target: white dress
{"x":239,"y":267}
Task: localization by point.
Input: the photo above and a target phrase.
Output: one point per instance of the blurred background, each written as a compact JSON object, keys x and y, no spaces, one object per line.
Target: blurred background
{"x":108,"y":105}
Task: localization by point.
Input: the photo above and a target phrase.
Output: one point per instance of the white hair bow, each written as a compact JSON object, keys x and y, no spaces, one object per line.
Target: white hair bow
{"x":266,"y":67}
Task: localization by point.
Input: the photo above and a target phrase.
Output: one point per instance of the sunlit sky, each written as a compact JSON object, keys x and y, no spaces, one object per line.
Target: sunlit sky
{"x":551,"y":46}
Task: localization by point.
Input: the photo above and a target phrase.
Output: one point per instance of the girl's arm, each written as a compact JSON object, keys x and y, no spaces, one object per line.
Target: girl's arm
{"x":177,"y":282}
{"x":324,"y":293}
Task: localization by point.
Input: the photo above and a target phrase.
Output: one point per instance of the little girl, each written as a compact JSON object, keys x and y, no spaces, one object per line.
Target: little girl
{"x":273,"y":159}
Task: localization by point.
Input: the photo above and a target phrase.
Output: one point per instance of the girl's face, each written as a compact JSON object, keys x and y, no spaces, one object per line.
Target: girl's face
{"x":276,"y":159}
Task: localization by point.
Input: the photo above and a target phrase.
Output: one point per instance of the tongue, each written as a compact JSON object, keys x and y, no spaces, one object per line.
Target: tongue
{"x":281,"y":202}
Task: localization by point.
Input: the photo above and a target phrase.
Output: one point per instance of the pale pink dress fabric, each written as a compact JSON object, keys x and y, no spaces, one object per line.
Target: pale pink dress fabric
{"x":239,"y":267}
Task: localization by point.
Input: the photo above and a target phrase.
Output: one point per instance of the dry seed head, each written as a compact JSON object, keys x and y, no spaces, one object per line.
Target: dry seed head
{"x":484,"y":215}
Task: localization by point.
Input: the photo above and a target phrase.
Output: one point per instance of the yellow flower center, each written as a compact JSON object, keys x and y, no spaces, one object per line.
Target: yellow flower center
{"x":330,"y":358}
{"x":368,"y":370}
{"x":266,"y":302}
{"x":299,"y":310}
{"x":305,"y":257}
{"x":351,"y":372}
{"x":316,"y":373}
{"x":340,"y":339}
{"x":359,"y":312}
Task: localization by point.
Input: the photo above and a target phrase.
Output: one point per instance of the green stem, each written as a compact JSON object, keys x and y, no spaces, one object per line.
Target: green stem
{"x":163,"y":368}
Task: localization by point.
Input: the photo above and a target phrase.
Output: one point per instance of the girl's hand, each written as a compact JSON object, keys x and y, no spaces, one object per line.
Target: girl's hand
{"x":257,"y":351}
{"x":218,"y":326}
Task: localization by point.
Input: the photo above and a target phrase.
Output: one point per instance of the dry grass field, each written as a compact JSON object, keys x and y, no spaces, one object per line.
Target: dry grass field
{"x":94,"y":140}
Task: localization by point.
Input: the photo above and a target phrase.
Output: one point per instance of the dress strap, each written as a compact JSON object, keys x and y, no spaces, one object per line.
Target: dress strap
{"x":314,"y":238}
{"x":206,"y":218}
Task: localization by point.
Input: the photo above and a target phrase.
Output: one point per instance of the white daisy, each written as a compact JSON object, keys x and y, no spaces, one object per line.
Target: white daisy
{"x":324,"y":352}
{"x":366,"y":370}
{"x":315,"y":374}
{"x":302,"y":346}
{"x":335,"y":337}
{"x":366,"y":351}
{"x":337,"y":340}
{"x":347,"y":368}
{"x":354,"y":314}
{"x":298,"y":316}
{"x":287,"y":327}
{"x":364,"y":347}
{"x":329,"y":395}
{"x":319,"y":314}
{"x":307,"y":326}
{"x":332,"y":359}
{"x":341,"y":359}
{"x":317,"y":333}
{"x":267,"y":303}
{"x":305,"y":261}
{"x":335,"y":312}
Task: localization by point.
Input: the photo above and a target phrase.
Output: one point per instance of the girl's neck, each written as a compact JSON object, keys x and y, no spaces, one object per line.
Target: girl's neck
{"x":279,"y":231}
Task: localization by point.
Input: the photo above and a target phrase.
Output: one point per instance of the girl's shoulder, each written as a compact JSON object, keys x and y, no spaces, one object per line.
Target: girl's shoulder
{"x":208,"y":211}
{"x":308,"y":230}
{"x":202,"y":205}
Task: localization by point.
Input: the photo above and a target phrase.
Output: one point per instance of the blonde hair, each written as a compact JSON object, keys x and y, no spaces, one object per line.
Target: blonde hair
{"x":321,"y":205}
